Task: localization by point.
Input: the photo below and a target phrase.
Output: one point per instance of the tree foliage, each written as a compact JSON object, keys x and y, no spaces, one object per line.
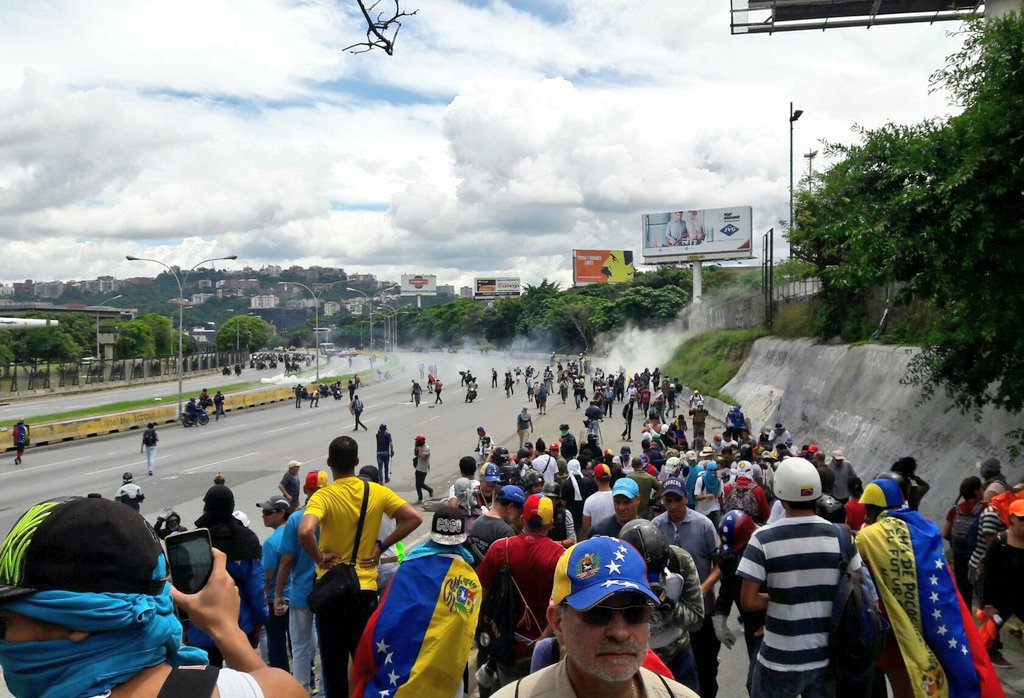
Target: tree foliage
{"x":249,"y":331}
{"x":937,"y":207}
{"x":135,"y":340}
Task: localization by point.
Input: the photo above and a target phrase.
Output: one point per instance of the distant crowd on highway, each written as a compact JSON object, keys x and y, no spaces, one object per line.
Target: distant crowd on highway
{"x":554,"y":566}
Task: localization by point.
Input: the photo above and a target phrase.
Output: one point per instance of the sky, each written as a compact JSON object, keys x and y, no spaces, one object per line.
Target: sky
{"x":500,"y":136}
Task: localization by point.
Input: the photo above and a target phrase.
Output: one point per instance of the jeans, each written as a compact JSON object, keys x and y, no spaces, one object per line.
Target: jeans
{"x":384,"y":465}
{"x":814,"y":683}
{"x":339,"y":628}
{"x":277,"y":640}
{"x":684,"y":667}
{"x":300,"y":628}
{"x":150,"y":458}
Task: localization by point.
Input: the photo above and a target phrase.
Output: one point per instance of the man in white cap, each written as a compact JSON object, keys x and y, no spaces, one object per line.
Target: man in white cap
{"x":843,"y":472}
{"x":289,"y":485}
{"x":600,"y":612}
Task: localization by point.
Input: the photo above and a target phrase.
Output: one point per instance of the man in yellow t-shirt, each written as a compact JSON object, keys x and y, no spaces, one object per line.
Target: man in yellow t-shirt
{"x":335,"y":510}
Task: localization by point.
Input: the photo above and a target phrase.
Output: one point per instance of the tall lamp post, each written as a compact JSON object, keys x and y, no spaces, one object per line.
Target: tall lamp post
{"x":316,"y":314}
{"x":810,"y":155}
{"x":793,"y":116}
{"x":369,"y":300}
{"x":181,"y":305}
{"x":99,"y":355}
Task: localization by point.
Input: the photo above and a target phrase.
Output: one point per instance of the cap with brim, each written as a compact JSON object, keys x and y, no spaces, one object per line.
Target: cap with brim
{"x":538,"y":510}
{"x":80,"y":544}
{"x":448,"y":526}
{"x":491,"y":473}
{"x":1017,"y":508}
{"x":601,"y":472}
{"x":512,"y":493}
{"x":591,"y":571}
{"x":627,"y":487}
{"x":673,"y":485}
{"x":707,"y":452}
{"x":274,"y":504}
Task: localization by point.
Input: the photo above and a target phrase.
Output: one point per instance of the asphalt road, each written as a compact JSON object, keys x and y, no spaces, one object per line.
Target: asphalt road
{"x":252,"y":448}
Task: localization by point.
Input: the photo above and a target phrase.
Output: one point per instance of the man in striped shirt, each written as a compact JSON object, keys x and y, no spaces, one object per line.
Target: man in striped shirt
{"x":797,"y":559}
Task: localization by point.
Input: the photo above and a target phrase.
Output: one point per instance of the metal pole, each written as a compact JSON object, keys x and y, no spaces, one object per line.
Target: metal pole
{"x":793,"y":116}
{"x":99,"y":354}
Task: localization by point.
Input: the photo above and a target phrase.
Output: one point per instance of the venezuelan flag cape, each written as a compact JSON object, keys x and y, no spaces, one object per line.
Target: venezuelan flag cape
{"x":944,"y":655}
{"x":417,"y":642}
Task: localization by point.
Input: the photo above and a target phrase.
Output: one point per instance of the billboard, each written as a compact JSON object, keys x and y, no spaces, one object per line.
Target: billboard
{"x":419,"y":285}
{"x":693,"y":235}
{"x":601,"y":266}
{"x":496,"y":287}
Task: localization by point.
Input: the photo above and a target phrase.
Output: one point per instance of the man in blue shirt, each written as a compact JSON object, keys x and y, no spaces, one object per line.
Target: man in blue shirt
{"x":296,"y":568}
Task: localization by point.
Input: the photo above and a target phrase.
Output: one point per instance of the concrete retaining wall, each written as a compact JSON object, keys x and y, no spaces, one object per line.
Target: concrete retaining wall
{"x":850,"y":397}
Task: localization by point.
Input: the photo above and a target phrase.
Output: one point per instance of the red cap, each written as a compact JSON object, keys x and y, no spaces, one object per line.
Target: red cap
{"x":601,"y":472}
{"x":537,"y":505}
{"x":421,"y":437}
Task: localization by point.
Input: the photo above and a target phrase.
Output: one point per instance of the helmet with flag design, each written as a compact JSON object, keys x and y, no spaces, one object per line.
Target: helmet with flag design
{"x":735,"y":530}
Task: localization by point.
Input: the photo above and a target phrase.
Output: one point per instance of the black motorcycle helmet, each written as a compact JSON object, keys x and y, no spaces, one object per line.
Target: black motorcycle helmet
{"x":830,"y":509}
{"x":499,"y":456}
{"x":531,"y":479}
{"x":509,"y":475}
{"x":650,"y":543}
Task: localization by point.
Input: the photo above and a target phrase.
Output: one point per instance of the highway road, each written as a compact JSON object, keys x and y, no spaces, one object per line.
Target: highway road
{"x":26,"y":408}
{"x":252,"y":448}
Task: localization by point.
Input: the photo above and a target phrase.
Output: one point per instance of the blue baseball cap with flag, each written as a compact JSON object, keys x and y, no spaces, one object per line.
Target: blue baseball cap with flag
{"x":491,"y":473}
{"x":591,"y":571}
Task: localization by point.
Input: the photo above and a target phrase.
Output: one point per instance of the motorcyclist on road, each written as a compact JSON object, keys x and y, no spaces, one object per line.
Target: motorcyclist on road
{"x":192,"y":409}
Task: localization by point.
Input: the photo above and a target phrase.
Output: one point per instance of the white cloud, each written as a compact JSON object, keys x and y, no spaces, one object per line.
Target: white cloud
{"x":242,"y":128}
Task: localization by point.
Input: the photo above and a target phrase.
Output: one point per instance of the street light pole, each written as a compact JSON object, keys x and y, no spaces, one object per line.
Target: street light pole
{"x":99,"y":355}
{"x":810,"y":155}
{"x":181,"y":304}
{"x":793,"y":116}
{"x":369,"y":299}
{"x":316,"y":315}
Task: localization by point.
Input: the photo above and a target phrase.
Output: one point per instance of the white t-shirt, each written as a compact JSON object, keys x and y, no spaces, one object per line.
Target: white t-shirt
{"x":705,"y":506}
{"x":231,"y":684}
{"x":599,"y":506}
{"x":546,"y":466}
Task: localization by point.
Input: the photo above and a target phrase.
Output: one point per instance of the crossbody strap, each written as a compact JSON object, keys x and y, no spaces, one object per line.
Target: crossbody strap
{"x":189,"y":682}
{"x":362,"y":520}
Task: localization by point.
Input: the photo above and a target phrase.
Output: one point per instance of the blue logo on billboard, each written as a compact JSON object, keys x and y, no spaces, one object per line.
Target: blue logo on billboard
{"x":730,"y":230}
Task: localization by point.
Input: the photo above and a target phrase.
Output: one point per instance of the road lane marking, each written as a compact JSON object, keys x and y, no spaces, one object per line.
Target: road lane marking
{"x":45,"y":465}
{"x":292,"y":426}
{"x":125,"y":465}
{"x":218,"y":462}
{"x":429,"y":420}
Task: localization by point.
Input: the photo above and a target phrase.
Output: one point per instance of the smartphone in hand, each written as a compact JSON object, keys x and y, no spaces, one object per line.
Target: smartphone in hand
{"x":190,"y":556}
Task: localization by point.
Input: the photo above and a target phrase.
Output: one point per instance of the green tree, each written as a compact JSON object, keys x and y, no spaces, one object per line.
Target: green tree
{"x":135,"y":340}
{"x":937,"y":207}
{"x":252,"y":333}
{"x":164,"y":341}
{"x":49,"y":344}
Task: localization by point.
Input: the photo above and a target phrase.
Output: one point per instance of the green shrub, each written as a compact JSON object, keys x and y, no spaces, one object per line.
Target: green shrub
{"x":710,"y":360}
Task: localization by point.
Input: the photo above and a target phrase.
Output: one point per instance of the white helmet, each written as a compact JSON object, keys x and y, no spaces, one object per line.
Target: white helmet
{"x":797,"y":480}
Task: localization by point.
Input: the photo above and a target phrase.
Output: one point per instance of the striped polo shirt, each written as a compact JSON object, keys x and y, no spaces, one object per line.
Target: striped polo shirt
{"x":798,"y":558}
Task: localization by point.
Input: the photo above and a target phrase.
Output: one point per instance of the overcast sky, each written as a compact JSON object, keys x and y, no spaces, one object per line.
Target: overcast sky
{"x":499,"y":136}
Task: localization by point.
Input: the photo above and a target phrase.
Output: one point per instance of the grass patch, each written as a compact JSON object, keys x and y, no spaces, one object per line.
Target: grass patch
{"x":710,"y":360}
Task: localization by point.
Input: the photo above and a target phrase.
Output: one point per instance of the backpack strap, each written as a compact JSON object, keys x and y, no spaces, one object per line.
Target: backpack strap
{"x":667,"y":687}
{"x":189,"y":682}
{"x":362,"y":520}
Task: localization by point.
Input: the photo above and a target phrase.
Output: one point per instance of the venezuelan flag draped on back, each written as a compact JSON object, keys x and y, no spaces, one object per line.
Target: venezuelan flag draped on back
{"x":943,"y":653}
{"x":417,"y":642}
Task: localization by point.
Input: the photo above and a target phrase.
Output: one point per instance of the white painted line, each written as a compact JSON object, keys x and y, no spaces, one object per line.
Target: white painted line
{"x":37,"y":467}
{"x":428,"y":420}
{"x":218,"y":462}
{"x":125,"y":465}
{"x":290,"y":426}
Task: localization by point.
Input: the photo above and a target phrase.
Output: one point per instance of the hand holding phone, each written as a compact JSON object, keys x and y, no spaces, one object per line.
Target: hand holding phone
{"x":190,"y":557}
{"x":215,"y":607}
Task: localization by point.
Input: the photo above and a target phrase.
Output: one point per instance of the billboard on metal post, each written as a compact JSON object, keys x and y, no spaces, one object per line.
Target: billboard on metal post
{"x":601,"y":266}
{"x":419,"y":285}
{"x":496,"y":287}
{"x":693,"y":235}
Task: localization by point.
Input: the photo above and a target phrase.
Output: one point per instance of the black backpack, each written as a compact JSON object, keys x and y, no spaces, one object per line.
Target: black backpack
{"x":149,"y":438}
{"x":961,"y":535}
{"x":568,"y":447}
{"x":857,"y":629}
{"x":496,"y":629}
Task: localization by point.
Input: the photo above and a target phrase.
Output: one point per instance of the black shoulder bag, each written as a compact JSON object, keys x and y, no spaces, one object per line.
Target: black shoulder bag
{"x":341,"y":580}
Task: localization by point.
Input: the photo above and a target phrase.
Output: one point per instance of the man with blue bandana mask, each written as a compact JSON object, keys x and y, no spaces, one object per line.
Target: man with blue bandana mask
{"x":86,"y":610}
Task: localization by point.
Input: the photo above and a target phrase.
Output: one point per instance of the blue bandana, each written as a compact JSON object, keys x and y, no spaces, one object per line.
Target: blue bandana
{"x":129,"y":633}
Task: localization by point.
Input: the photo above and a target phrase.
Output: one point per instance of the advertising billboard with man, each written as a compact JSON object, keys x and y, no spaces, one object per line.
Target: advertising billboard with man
{"x":692,"y":235}
{"x":601,"y":266}
{"x":419,"y":285}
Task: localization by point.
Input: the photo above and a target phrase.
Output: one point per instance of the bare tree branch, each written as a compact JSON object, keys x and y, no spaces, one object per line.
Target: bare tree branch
{"x":380,"y":32}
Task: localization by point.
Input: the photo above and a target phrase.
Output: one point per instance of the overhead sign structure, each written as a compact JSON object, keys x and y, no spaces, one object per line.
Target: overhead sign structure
{"x":601,"y":266}
{"x":768,"y":16}
{"x":419,"y":285}
{"x":496,"y":287}
{"x":697,"y":235}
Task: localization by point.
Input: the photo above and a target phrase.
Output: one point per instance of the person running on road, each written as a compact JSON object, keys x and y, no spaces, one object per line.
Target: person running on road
{"x":417,"y":391}
{"x":524,"y":425}
{"x":149,"y":442}
{"x":437,"y":391}
{"x":421,"y":462}
{"x":20,"y":437}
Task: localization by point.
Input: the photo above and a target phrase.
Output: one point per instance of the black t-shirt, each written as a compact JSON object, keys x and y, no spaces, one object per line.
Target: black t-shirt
{"x":490,"y":528}
{"x":291,"y":485}
{"x":606,"y":527}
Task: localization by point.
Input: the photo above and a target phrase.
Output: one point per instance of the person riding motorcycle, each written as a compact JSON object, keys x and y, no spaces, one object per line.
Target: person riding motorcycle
{"x":192,"y":410}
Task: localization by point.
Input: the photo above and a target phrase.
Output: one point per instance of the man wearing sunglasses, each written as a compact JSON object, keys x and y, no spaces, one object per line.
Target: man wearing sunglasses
{"x":600,"y":612}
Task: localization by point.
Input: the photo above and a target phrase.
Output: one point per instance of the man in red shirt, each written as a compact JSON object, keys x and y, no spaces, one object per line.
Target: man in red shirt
{"x":532,"y":558}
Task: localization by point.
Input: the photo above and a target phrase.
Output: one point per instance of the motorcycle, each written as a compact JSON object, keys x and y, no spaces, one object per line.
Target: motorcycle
{"x":238,"y":370}
{"x":225,"y":371}
{"x":471,"y":394}
{"x":187,"y":420}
